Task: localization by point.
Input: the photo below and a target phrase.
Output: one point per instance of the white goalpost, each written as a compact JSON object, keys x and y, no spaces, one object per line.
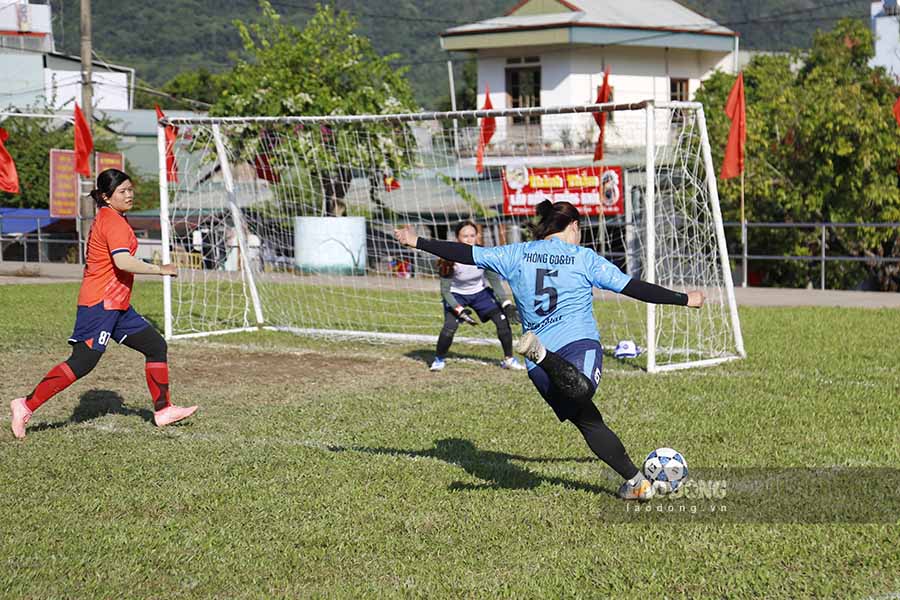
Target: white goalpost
{"x":286,"y":222}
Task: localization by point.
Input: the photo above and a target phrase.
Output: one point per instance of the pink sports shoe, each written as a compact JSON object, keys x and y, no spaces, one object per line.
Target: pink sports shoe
{"x":20,"y":416}
{"x":172,"y":414}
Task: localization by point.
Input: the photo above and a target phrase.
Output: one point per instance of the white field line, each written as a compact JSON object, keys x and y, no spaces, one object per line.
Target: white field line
{"x":378,"y":356}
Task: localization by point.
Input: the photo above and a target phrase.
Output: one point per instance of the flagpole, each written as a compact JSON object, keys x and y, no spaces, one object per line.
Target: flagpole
{"x":743,"y":234}
{"x":453,"y":106}
{"x":87,"y":103}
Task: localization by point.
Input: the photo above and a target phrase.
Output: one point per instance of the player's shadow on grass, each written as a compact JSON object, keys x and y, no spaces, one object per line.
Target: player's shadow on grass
{"x":426,"y":356}
{"x":94,"y":404}
{"x":495,"y":469}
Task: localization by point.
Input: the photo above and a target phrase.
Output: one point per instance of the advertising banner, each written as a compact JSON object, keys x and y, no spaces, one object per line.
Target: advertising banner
{"x":592,"y":190}
{"x":63,"y":185}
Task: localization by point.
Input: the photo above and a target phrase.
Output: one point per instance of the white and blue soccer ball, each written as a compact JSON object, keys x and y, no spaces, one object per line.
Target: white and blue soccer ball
{"x":666,"y":469}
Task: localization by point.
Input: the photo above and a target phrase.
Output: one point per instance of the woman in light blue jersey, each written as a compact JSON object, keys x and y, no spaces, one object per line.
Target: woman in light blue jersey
{"x":552,"y":279}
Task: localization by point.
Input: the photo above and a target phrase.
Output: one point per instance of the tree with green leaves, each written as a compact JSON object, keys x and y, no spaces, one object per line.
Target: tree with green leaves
{"x":189,"y":90}
{"x":822,"y":145}
{"x":326,"y":68}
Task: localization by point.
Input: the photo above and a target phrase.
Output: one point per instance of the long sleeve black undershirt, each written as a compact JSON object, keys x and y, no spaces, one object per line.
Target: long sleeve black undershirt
{"x":650,"y":292}
{"x":637,"y":289}
{"x":455,"y":251}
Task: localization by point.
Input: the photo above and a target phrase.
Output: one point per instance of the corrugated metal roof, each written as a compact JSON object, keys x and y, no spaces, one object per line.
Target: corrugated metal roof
{"x":640,"y":14}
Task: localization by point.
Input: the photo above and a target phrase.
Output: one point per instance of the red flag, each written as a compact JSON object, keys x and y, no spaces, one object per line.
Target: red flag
{"x":735,"y":108}
{"x":488,"y":127}
{"x":84,"y":144}
{"x":268,"y":142}
{"x":264,"y":169}
{"x":171,"y":135}
{"x":9,"y":177}
{"x":600,"y":117}
{"x":391,"y":183}
{"x":897,"y":110}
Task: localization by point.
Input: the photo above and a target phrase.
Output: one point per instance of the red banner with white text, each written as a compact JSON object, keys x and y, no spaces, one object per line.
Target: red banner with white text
{"x":592,"y":190}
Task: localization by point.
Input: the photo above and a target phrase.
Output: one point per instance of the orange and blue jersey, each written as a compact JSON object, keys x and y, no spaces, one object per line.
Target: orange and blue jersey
{"x":103,"y":282}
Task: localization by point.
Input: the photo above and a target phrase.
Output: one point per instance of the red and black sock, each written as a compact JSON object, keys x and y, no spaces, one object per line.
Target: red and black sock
{"x":158,"y":384}
{"x":56,"y":380}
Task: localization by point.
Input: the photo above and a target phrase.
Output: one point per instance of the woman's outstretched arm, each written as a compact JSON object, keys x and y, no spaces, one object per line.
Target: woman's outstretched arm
{"x":656,"y":294}
{"x":455,"y":251}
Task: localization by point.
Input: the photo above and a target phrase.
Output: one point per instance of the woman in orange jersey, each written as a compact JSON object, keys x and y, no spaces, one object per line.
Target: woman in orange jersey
{"x":105,"y":312}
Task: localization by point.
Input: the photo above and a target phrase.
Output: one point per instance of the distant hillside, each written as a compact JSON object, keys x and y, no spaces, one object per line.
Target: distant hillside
{"x":161,"y":39}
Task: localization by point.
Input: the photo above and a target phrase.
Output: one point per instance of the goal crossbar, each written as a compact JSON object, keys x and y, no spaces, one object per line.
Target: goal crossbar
{"x":430,"y":116}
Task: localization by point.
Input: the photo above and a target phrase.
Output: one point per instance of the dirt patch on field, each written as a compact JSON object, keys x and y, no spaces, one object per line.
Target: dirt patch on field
{"x":236,"y":373}
{"x":306,"y":368}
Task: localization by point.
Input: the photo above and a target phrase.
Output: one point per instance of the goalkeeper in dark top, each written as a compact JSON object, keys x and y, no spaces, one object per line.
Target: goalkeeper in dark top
{"x":552,"y":279}
{"x":466,"y":291}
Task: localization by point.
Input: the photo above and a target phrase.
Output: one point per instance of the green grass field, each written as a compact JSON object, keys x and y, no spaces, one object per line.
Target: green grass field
{"x":323,"y":469}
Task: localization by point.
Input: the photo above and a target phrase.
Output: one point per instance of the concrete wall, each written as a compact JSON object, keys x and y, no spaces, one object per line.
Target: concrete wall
{"x":21,"y":79}
{"x":111,"y":90}
{"x":886,"y":29}
{"x":492,"y":73}
{"x":37,"y":17}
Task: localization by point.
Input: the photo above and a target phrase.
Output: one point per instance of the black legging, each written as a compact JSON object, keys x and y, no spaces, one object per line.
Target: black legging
{"x":451,"y":323}
{"x":148,"y":342}
{"x":601,"y":439}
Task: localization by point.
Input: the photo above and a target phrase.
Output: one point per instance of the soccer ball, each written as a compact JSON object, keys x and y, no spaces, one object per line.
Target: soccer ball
{"x":666,"y":469}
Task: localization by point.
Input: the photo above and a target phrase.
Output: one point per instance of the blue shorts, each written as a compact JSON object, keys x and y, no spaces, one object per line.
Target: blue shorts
{"x":483,"y":303}
{"x":587,"y":355}
{"x":95,"y":326}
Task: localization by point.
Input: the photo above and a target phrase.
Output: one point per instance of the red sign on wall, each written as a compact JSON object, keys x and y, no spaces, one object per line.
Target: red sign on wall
{"x":63,"y":185}
{"x":108,"y":160}
{"x":592,"y":190}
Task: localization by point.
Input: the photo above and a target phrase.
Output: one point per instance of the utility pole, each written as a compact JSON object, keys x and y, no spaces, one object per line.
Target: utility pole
{"x":85,"y":206}
{"x":87,"y":91}
{"x":453,"y":106}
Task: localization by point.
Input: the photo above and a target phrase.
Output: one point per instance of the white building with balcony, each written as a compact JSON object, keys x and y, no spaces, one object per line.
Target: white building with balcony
{"x":554,"y":52}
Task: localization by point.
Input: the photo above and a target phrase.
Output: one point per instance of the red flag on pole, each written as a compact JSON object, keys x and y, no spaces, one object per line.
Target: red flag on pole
{"x":171,"y":133}
{"x":9,"y":177}
{"x":268,"y":143}
{"x":264,"y":168}
{"x":600,"y":117}
{"x":735,"y":108}
{"x":488,"y":127}
{"x":84,"y":144}
{"x":897,"y":111}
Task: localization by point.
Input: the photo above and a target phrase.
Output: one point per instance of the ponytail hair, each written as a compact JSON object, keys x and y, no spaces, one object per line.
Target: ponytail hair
{"x":107,"y":182}
{"x":553,"y":218}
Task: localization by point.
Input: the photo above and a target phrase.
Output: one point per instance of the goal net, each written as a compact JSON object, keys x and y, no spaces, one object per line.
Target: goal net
{"x":286,"y":222}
